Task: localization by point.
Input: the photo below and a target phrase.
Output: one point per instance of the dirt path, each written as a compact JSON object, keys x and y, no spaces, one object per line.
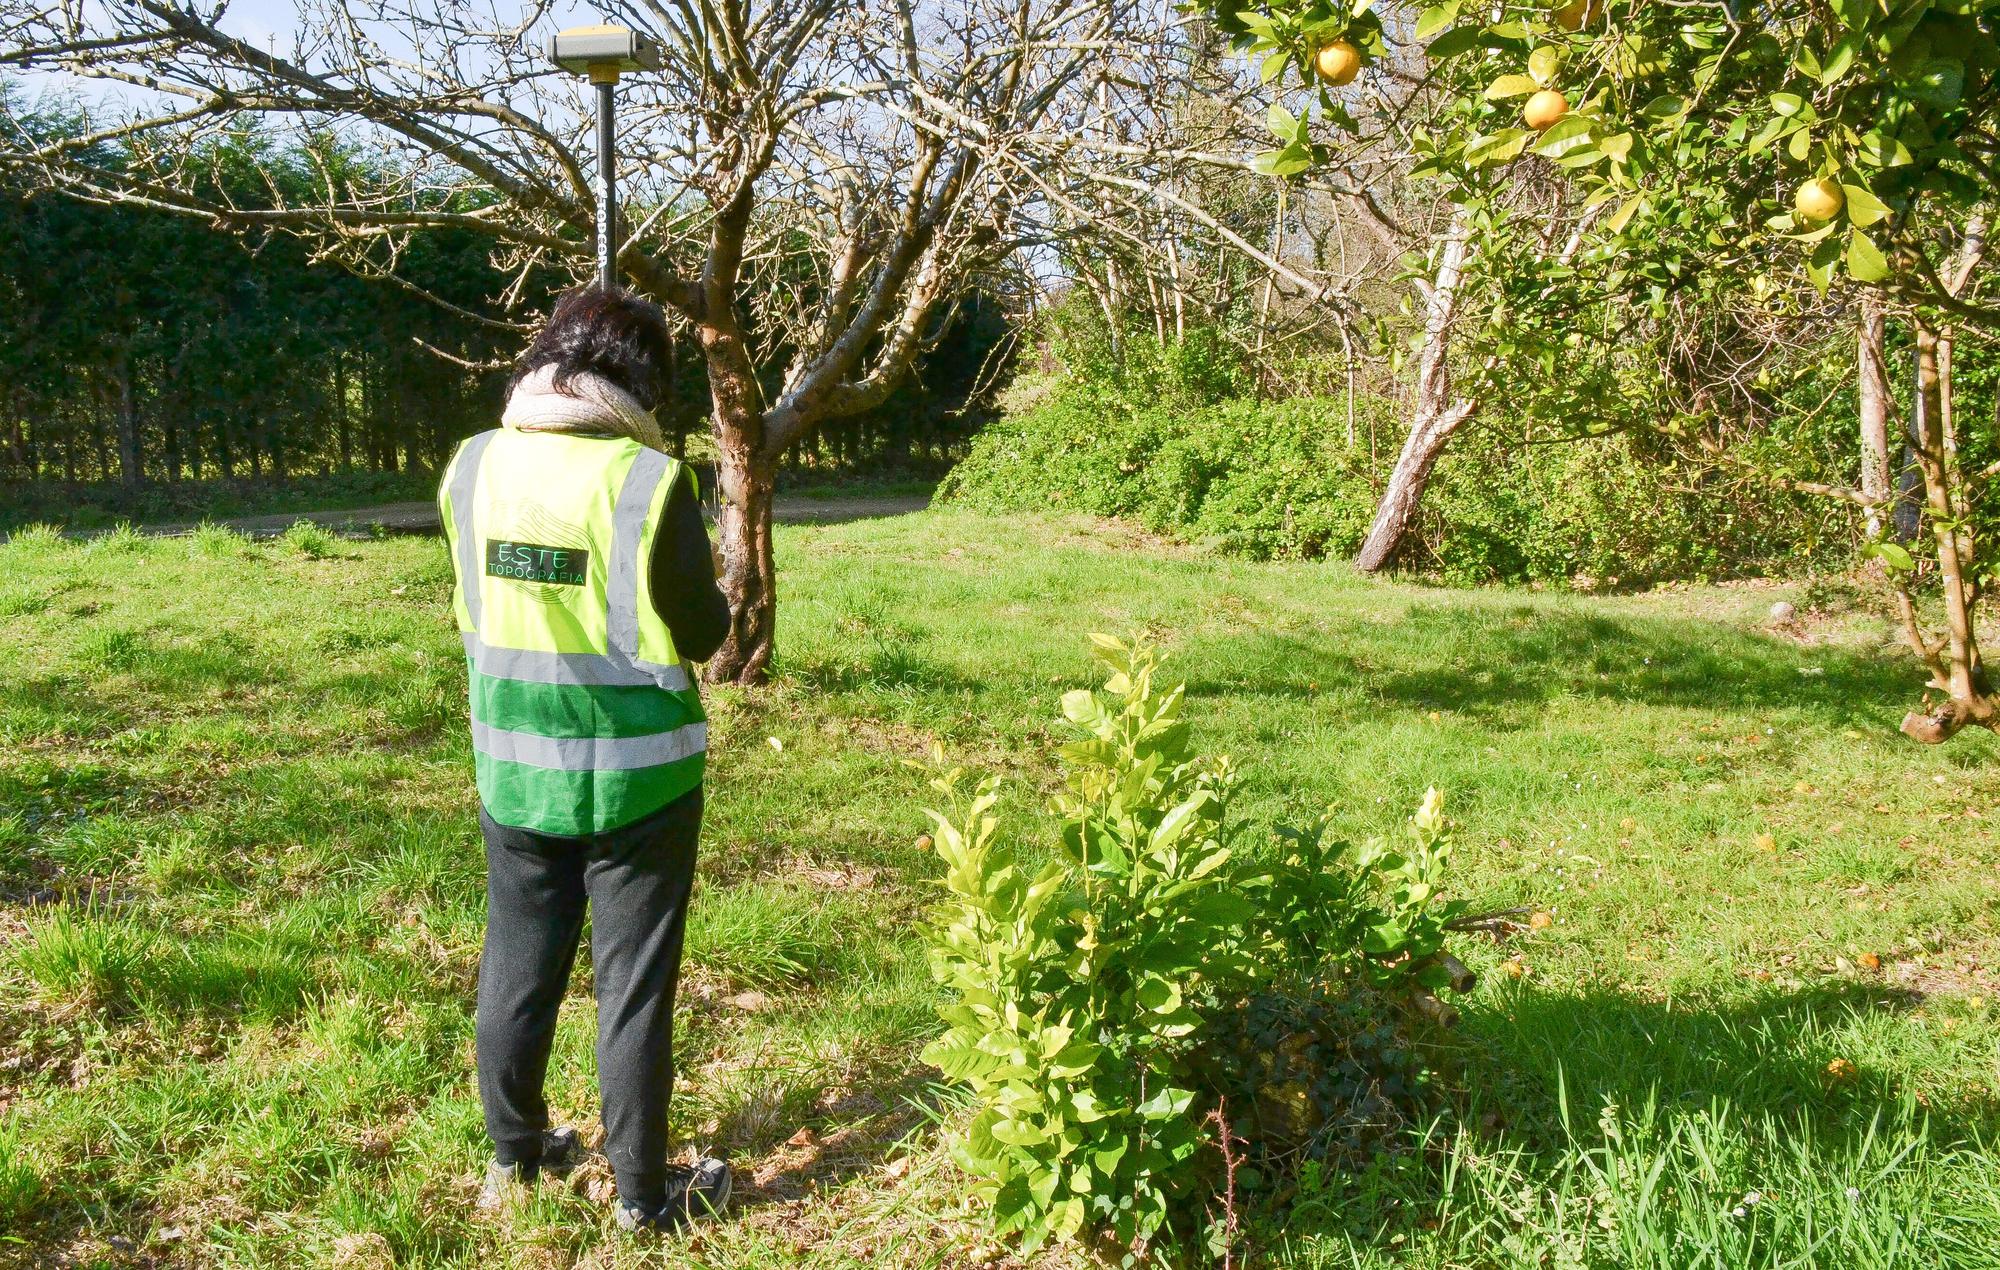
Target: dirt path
{"x":422,"y":517}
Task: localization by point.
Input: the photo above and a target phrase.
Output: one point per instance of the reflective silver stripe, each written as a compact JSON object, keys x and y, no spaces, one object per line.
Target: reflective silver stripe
{"x":590,"y":753}
{"x":538,"y":666}
{"x":628,"y":531}
{"x":464,"y":477}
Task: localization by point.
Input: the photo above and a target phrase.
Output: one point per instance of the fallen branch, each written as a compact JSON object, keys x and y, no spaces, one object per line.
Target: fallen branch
{"x":1497,"y":922}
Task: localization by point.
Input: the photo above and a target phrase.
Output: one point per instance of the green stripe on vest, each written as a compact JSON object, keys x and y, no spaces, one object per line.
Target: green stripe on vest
{"x":577,"y":709}
{"x":577,"y":803}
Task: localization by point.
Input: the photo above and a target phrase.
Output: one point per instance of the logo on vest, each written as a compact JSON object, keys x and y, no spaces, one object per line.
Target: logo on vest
{"x":536,"y":562}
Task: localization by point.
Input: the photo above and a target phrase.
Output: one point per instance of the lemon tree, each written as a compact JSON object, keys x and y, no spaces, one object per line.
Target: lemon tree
{"x":1660,"y":201}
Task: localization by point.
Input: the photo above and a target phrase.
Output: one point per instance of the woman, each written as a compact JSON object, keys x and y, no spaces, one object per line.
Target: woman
{"x":585,"y":590}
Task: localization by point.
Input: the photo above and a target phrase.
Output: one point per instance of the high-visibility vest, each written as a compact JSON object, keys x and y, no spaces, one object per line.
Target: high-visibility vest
{"x":583,"y":716}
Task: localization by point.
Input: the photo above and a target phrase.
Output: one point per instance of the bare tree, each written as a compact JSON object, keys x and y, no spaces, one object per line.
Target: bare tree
{"x":811,"y":186}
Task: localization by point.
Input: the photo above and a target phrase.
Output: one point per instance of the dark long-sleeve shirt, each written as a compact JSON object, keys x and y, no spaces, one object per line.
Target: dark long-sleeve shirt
{"x":682,"y":574}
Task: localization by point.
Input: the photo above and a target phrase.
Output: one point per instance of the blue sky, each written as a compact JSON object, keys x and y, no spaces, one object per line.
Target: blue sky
{"x":269,"y":24}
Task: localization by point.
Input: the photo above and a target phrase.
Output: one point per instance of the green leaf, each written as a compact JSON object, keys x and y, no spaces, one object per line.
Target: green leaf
{"x":979,"y":1141}
{"x":1080,"y":707}
{"x":1165,"y":1103}
{"x":1284,"y":127}
{"x":955,"y":1056}
{"x":1569,"y":135}
{"x":1460,"y":39}
{"x":1436,"y":19}
{"x":1773,"y":128}
{"x":1865,"y":262}
{"x":1819,"y":267}
{"x":1384,"y":936}
{"x":1019,"y":1133}
{"x":1511,"y":86}
{"x":1274,"y":66}
{"x":1878,"y":149}
{"x":1175,"y":822}
{"x":1544,"y":64}
{"x":1290,"y":161}
{"x":1498,"y":148}
{"x":1106,"y":1158}
{"x":1892,"y":554}
{"x":1863,"y":208}
{"x":1787,"y":104}
{"x":1664,"y":107}
{"x":1623,"y":216}
{"x":1941,"y":83}
{"x":1161,"y":996}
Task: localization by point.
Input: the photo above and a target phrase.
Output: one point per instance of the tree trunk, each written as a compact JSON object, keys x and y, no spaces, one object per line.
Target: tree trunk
{"x":1438,"y":414}
{"x":344,"y":436}
{"x":1433,"y":428}
{"x":130,"y":461}
{"x":1872,"y":386}
{"x":17,"y":434}
{"x":1930,"y":443}
{"x":749,"y":569}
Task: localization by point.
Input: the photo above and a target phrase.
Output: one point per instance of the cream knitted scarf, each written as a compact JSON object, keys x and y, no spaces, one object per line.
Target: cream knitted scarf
{"x":590,"y":404}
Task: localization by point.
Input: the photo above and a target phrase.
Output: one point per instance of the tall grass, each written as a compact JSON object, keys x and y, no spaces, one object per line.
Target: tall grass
{"x":89,"y":954}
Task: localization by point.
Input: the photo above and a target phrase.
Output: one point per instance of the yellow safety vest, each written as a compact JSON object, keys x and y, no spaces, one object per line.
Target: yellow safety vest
{"x":583,"y":716}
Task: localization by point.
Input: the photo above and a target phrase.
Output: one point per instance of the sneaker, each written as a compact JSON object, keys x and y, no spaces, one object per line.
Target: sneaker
{"x":692,"y":1193}
{"x":507,"y":1183}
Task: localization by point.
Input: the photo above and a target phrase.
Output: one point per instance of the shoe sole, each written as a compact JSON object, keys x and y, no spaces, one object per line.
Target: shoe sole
{"x":699,"y":1208}
{"x":717,"y":1206}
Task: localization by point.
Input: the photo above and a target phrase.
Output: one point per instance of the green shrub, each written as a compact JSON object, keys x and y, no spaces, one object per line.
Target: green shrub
{"x":1107,"y":1002}
{"x":1278,"y":480}
{"x":1610,"y":511}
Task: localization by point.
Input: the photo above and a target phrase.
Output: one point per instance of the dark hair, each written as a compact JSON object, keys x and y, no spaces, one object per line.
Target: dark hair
{"x":610,"y":333}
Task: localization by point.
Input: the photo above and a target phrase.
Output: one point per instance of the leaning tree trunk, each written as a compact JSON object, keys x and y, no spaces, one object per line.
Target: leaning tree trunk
{"x":1433,"y":428}
{"x":1438,"y":414}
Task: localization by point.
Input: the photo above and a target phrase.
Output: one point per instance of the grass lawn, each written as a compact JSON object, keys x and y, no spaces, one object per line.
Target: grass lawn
{"x":240,"y":906}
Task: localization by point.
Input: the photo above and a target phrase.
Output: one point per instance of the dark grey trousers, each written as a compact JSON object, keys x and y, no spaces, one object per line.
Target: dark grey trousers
{"x":635,"y":881}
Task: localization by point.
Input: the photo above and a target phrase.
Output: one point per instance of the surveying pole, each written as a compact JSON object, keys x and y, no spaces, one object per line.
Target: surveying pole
{"x":601,"y":54}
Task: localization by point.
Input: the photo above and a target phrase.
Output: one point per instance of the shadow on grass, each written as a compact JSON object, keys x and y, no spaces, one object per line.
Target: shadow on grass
{"x":1773,"y":1090}
{"x":1778,"y":1053}
{"x":845,"y":1131}
{"x":1492,"y":662}
{"x":884,"y":668}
